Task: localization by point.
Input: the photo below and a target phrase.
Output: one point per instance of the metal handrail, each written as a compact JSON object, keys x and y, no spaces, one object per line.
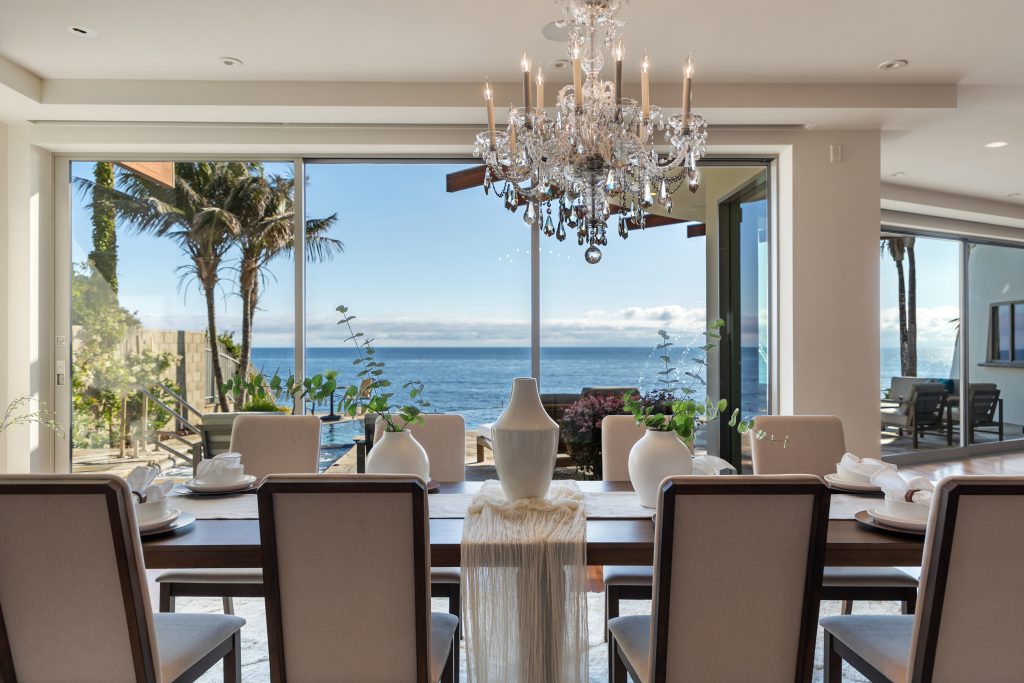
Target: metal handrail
{"x":180,"y":399}
{"x":182,"y":420}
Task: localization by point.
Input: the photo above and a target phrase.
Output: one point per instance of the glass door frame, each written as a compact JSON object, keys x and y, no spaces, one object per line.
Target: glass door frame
{"x":963,"y":449}
{"x":730,"y":381}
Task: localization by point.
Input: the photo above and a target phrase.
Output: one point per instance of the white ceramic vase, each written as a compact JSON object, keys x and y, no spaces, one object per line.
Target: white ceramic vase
{"x":655,"y":456}
{"x":525,"y":443}
{"x":398,"y":453}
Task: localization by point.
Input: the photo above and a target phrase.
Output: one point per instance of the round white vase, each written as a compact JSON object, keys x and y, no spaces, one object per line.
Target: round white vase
{"x":655,"y":456}
{"x":398,"y":453}
{"x":525,"y":443}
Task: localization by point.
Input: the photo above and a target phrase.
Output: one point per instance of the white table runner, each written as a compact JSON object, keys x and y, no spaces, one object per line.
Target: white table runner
{"x":597,"y":505}
{"x":524,"y":587}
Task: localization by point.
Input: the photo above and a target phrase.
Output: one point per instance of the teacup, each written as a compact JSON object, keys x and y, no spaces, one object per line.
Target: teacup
{"x":904,"y":510}
{"x":150,"y":512}
{"x":846,"y":474}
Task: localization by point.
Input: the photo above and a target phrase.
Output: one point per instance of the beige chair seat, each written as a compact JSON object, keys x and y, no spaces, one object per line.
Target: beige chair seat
{"x":633,"y":636}
{"x":184,"y":639}
{"x":834,"y":576}
{"x":883,"y":641}
{"x":244,"y":575}
{"x":442,"y":630}
{"x":895,"y":417}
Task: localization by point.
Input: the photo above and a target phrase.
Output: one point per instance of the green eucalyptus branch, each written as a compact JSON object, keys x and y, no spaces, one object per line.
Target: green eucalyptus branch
{"x":370,"y":395}
{"x":19,"y":412}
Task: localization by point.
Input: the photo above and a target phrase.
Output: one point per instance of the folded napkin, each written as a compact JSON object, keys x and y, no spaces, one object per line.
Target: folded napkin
{"x":710,"y":465}
{"x":865,"y":466}
{"x":154,"y":493}
{"x":896,"y":487}
{"x":226,"y":467}
{"x":140,"y":478}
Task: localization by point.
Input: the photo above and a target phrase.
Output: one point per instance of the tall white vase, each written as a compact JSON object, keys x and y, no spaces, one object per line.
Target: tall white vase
{"x":525,"y":443}
{"x":398,"y":453}
{"x":655,"y":456}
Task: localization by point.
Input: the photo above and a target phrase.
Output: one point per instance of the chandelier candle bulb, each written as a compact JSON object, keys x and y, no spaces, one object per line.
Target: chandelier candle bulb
{"x":619,"y":54}
{"x":577,"y":77}
{"x":526,"y":87}
{"x":687,"y":87}
{"x":540,"y":90}
{"x":511,"y":134}
{"x":489,"y":98}
{"x":645,"y":87}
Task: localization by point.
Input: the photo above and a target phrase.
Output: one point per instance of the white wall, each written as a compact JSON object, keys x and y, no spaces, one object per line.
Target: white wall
{"x":827,"y":242}
{"x":996,"y":276}
{"x":4,"y":277}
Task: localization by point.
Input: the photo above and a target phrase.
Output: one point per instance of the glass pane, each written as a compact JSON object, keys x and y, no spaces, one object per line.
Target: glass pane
{"x":920,"y":342}
{"x":440,"y":281}
{"x":996,"y":392}
{"x":179,"y":270}
{"x":1018,"y":333}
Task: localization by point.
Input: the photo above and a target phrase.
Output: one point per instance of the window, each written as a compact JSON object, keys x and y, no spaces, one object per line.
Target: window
{"x":1007,"y":339}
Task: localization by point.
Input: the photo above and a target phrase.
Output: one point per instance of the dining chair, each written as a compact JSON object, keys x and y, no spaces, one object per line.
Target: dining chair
{"x":443,"y":437}
{"x":738,"y":565}
{"x":968,"y":624}
{"x":74,"y":605}
{"x":814,"y":444}
{"x":346,"y":560}
{"x":269,"y":444}
{"x":618,"y":435}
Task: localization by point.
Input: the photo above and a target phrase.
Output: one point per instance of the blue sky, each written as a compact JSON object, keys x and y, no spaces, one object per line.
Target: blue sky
{"x":424,"y":267}
{"x":938,"y":291}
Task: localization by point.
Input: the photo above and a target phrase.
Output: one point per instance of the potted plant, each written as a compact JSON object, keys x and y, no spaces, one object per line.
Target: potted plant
{"x":397,"y":452}
{"x":672,"y":418}
{"x":581,"y":430}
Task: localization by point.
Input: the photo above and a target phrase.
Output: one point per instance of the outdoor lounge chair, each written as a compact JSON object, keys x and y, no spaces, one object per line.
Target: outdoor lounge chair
{"x":986,"y":412}
{"x":922,"y":410}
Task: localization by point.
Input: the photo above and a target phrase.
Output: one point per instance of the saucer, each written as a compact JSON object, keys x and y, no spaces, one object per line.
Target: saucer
{"x":199,"y":487}
{"x":183,"y":520}
{"x":163,"y":520}
{"x":864,"y":518}
{"x":887,"y":519}
{"x":834,"y":481}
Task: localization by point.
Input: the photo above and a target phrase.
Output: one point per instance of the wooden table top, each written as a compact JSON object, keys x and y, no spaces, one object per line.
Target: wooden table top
{"x":236,"y":542}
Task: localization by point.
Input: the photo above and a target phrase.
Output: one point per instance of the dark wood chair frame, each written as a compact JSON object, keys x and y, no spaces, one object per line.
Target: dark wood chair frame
{"x":618,"y":667}
{"x":421,"y":558}
{"x":933,"y":599}
{"x":992,"y":417}
{"x":133,"y":584}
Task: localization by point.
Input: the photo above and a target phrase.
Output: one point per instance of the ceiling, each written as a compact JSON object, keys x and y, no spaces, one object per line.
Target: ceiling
{"x":366,"y":45}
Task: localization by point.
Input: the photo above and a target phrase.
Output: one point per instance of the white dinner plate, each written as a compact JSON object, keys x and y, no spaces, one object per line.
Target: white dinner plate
{"x":898,"y":522}
{"x":165,"y":519}
{"x":246,"y":482}
{"x":836,"y":482}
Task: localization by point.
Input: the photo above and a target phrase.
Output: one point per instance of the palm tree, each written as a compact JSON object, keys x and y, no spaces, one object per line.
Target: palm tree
{"x":267,"y":229}
{"x":900,"y":248}
{"x":200,"y":212}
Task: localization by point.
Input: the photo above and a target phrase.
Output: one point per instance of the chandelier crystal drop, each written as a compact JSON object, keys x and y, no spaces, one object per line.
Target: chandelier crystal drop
{"x":594,"y":155}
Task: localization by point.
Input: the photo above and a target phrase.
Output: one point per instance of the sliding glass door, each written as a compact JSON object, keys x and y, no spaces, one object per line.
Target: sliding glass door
{"x":952,"y":350}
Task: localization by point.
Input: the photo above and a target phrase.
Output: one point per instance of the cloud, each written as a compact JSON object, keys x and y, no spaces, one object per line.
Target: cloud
{"x":933,"y":324}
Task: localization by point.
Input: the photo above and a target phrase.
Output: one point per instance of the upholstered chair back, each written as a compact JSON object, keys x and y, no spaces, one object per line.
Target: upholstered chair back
{"x":277,"y":444}
{"x":797,"y":444}
{"x":443,"y":437}
{"x":73,"y":602}
{"x":346,"y":573}
{"x":618,"y":435}
{"x":971,"y":598}
{"x":737,"y":560}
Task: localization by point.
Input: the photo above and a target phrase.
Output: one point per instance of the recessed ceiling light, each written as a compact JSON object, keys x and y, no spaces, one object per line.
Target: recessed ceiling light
{"x":230,"y":61}
{"x":893,"y":64}
{"x":82,"y":32}
{"x":896,"y":174}
{"x":560,"y":64}
{"x":996,"y":144}
{"x":556,"y":31}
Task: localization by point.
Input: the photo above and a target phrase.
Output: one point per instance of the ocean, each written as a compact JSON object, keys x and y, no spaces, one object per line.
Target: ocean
{"x":475,"y":382}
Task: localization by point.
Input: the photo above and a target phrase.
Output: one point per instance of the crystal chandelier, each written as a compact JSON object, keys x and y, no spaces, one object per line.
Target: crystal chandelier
{"x":594,"y":155}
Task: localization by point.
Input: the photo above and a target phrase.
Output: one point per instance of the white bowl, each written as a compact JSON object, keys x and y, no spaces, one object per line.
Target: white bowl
{"x":846,"y":474}
{"x":901,"y":508}
{"x":150,"y":512}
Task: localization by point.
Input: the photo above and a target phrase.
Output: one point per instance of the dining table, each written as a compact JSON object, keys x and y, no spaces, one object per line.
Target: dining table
{"x":235,"y":543}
